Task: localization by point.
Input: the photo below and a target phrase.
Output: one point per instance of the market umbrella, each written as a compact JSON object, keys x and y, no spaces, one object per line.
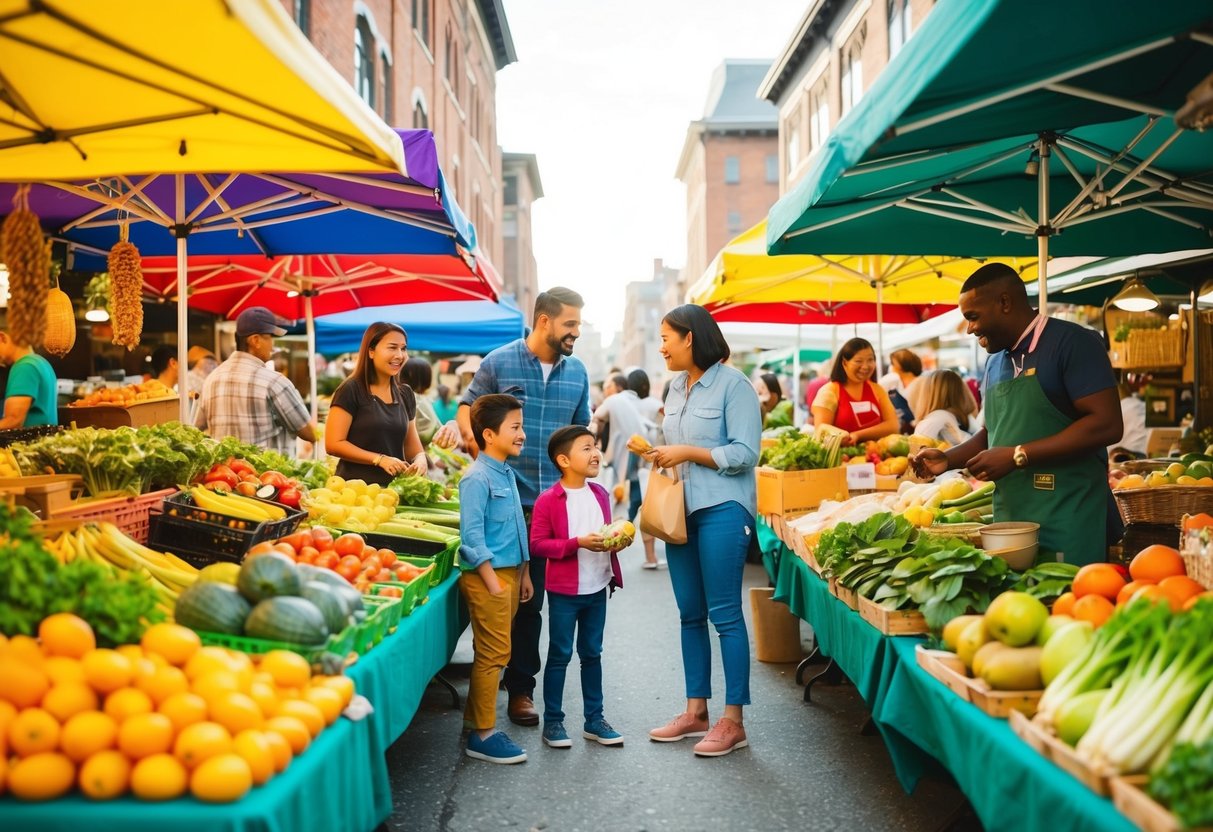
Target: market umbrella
{"x":1019,"y":128}
{"x":470,"y":327}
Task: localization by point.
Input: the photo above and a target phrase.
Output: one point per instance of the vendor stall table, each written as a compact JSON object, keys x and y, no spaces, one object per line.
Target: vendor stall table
{"x":924,"y":724}
{"x":339,"y":783}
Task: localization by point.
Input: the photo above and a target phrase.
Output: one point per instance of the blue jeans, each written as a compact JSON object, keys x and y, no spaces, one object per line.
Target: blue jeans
{"x":706,"y":573}
{"x":586,"y":614}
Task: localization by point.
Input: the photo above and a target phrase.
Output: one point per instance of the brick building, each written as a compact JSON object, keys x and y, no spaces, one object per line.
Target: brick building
{"x":729,"y":163}
{"x":430,"y":64}
{"x":521,"y":186}
{"x":836,"y":51}
{"x":647,"y":301}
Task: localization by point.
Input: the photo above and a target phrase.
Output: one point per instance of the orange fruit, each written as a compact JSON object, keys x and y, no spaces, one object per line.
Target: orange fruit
{"x":292,"y":730}
{"x":221,"y":779}
{"x":146,"y":734}
{"x":255,"y":750}
{"x":159,"y":777}
{"x":344,"y":685}
{"x":201,"y":741}
{"x":42,"y":776}
{"x":1189,"y":604}
{"x":64,"y":634}
{"x":289,"y":670}
{"x":7,"y":712}
{"x":162,"y":683}
{"x":207,"y":660}
{"x":33,"y":731}
{"x":26,"y":649}
{"x":177,"y":644}
{"x":280,"y":749}
{"x":127,"y":702}
{"x":235,"y":711}
{"x":1093,"y":608}
{"x":1098,"y":579}
{"x":65,"y":700}
{"x":1064,"y":605}
{"x":1155,"y":594}
{"x":87,"y":733}
{"x":105,"y":775}
{"x":1130,"y":589}
{"x":326,"y":700}
{"x":184,"y":709}
{"x":62,"y":669}
{"x":305,"y":712}
{"x":107,"y":670}
{"x":1156,"y":562}
{"x":216,"y":683}
{"x":22,"y":684}
{"x":1180,"y":588}
{"x":266,"y":698}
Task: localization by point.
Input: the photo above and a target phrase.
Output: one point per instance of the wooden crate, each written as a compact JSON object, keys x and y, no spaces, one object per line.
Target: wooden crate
{"x":792,"y":493}
{"x":44,"y":494}
{"x":946,"y":668}
{"x":892,"y":622}
{"x":1147,"y":814}
{"x":847,"y":596}
{"x":1063,"y":756}
{"x":152,"y":412}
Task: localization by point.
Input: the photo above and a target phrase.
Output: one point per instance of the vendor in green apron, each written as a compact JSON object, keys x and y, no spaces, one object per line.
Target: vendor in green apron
{"x":1051,"y":409}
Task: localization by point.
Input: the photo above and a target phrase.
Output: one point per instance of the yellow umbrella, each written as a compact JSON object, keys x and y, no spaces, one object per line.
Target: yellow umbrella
{"x":185,"y":86}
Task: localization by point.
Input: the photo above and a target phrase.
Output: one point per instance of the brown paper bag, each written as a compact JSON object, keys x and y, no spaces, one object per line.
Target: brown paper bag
{"x":663,"y":513}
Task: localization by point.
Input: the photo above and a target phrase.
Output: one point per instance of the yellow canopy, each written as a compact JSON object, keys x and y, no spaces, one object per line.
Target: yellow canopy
{"x":93,"y":88}
{"x":743,"y":273}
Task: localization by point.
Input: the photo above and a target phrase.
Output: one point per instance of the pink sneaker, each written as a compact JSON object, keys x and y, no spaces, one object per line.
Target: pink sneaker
{"x":679,"y":728}
{"x":725,"y":736}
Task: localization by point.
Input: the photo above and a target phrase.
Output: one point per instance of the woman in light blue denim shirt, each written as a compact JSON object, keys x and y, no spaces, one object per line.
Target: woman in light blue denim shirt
{"x":713,"y":425}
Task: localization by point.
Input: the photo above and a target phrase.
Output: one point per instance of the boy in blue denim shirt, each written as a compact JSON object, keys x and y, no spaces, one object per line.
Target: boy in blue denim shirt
{"x":493,"y":557}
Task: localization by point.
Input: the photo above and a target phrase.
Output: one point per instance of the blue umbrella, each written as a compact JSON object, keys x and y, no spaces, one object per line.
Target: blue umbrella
{"x":465,"y":327}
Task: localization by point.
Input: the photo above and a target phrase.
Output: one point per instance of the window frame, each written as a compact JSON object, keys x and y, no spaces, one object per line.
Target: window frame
{"x":364,"y":60}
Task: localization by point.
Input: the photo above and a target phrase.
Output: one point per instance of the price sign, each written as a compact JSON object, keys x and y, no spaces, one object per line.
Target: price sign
{"x":861,"y":477}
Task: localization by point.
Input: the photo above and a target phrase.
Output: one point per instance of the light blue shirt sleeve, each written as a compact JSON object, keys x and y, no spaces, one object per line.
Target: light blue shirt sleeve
{"x":743,"y":424}
{"x":473,"y":500}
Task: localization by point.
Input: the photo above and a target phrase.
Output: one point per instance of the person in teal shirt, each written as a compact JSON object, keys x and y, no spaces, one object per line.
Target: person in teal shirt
{"x":31,"y":397}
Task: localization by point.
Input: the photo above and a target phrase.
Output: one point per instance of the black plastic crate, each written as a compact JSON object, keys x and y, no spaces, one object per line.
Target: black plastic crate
{"x":196,"y":546}
{"x":14,"y":435}
{"x":181,"y":505}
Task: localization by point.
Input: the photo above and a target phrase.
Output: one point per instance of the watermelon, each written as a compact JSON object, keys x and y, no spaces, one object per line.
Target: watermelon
{"x":212,"y":607}
{"x":351,"y":596}
{"x":267,"y":576}
{"x":330,"y":604}
{"x":287,"y":619}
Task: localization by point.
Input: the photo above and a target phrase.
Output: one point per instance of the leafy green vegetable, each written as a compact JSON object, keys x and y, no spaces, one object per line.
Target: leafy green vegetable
{"x":797,"y":451}
{"x":1185,"y":784}
{"x":415,"y":490}
{"x":1047,"y":581}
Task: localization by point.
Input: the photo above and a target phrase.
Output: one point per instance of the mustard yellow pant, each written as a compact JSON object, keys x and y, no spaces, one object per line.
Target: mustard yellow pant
{"x":491,"y":617}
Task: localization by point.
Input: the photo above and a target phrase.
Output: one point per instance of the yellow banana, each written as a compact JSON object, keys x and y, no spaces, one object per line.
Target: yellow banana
{"x":210,"y":501}
{"x":275,"y":512}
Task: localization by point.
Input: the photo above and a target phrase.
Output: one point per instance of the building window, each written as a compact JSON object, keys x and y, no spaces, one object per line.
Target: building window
{"x":421,"y":121}
{"x":509,"y":224}
{"x":791,"y":140}
{"x":303,"y":16}
{"x":734,"y":223}
{"x":364,"y":62}
{"x":772,"y":163}
{"x":819,"y":116}
{"x":732,"y":170}
{"x":385,"y":67}
{"x":451,"y":61}
{"x":899,"y":25}
{"x":852,"y":70}
{"x":421,"y":20}
{"x":510,"y":196}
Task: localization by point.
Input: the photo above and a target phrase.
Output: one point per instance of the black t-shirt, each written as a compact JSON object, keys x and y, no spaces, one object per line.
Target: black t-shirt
{"x":376,"y":426}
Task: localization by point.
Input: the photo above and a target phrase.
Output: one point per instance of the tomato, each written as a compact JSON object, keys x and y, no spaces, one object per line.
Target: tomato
{"x":368,"y":551}
{"x":328,"y":559}
{"x":349,"y":573}
{"x":384,"y":575}
{"x":221,"y":473}
{"x":308,"y":550}
{"x":391,"y":592}
{"x":251,"y":477}
{"x":241,"y":466}
{"x":260,"y":549}
{"x":248,"y":489}
{"x":349,"y":544}
{"x":289,"y":497}
{"x":297,"y":540}
{"x":386,"y":556}
{"x":372,"y":564}
{"x":405,"y":572}
{"x":218,"y":486}
{"x":308,"y":556}
{"x":351,"y":562}
{"x":273,"y":478}
{"x":322,"y":538}
{"x":286,"y":549}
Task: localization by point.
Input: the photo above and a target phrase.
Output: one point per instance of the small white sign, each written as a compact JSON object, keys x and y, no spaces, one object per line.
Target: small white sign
{"x":861,"y":477}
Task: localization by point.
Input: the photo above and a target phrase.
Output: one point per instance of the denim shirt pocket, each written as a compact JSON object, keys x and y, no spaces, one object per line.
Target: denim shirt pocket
{"x":707,"y":424}
{"x":500,"y":509}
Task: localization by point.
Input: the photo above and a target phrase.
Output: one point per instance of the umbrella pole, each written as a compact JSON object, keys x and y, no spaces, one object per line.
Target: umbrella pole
{"x":879,"y":328}
{"x":183,"y":334}
{"x":1042,"y":231}
{"x":796,"y":376}
{"x":311,"y":350}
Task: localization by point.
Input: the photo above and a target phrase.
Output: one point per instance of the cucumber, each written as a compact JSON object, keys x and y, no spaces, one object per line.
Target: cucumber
{"x":973,"y":498}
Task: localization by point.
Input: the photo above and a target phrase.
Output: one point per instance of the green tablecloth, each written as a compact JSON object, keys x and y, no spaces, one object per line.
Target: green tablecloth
{"x":924,"y":724}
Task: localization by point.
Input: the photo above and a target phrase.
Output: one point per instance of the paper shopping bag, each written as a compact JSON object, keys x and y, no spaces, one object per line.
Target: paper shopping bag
{"x":663,"y":513}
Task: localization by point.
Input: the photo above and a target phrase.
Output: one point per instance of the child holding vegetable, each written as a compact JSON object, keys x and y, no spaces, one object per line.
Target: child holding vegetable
{"x":493,"y":558}
{"x":567,"y":529}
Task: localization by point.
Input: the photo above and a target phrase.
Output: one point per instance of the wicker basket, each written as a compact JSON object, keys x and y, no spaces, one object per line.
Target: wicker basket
{"x":1144,"y":466}
{"x":1149,"y":349}
{"x":1163,"y":504}
{"x":1200,"y":569}
{"x":968,"y":532}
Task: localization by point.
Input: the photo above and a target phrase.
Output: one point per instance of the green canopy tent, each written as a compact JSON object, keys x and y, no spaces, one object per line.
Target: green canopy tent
{"x":1008,"y":128}
{"x":1172,"y":275}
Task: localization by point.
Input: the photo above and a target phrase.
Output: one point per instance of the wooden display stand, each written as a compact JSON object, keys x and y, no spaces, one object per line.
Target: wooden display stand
{"x":44,"y":495}
{"x":1062,"y":755}
{"x":892,"y":622}
{"x":1131,"y":800}
{"x":153,"y":412}
{"x":948,"y":669}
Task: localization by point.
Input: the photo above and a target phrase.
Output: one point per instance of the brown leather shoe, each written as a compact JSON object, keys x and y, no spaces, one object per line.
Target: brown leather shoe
{"x":522,"y":711}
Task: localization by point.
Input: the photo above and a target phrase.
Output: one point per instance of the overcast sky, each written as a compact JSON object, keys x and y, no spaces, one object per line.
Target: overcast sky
{"x":602,"y":92}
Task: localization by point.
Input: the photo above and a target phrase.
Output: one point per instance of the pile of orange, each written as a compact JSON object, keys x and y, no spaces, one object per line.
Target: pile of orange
{"x":1156,"y":573}
{"x":155,"y":719}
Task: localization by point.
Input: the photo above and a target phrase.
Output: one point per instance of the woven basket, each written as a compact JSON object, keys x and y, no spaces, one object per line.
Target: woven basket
{"x":1149,"y":348}
{"x":969,"y":532}
{"x":1144,"y":466}
{"x":1164,"y":504}
{"x":1200,"y":569}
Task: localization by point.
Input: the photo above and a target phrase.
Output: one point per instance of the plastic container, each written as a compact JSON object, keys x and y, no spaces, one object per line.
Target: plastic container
{"x":413,"y":594}
{"x":340,"y":644}
{"x":1017,"y":559}
{"x":195,"y":534}
{"x":443,"y":563}
{"x":133,"y":515}
{"x":1001,"y":536}
{"x":383,"y":614}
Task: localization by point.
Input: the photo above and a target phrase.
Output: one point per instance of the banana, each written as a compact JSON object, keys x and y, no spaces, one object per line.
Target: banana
{"x":274,"y":511}
{"x":210,"y":501}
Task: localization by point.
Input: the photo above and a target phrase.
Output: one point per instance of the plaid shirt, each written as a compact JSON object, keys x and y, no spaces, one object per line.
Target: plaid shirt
{"x":246,"y":399}
{"x":564,"y":399}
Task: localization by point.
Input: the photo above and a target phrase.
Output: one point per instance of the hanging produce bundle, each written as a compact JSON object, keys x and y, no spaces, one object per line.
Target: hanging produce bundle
{"x":28,"y":262}
{"x":60,"y":320}
{"x":126,"y":300}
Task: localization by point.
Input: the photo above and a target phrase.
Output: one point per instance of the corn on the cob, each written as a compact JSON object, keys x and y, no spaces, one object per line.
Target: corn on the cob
{"x":28,"y":272}
{"x":126,"y":300}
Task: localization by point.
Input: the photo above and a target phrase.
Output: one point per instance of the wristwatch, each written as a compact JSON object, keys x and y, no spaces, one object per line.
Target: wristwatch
{"x":1020,"y":456}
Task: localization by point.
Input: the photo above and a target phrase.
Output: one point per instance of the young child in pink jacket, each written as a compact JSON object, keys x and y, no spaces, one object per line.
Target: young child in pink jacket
{"x":582,"y":572}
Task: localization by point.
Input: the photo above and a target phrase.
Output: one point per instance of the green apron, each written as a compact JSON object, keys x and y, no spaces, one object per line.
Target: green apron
{"x":1067,"y":499}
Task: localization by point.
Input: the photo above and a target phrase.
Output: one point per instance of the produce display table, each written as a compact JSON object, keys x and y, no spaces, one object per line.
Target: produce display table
{"x":921,"y":721}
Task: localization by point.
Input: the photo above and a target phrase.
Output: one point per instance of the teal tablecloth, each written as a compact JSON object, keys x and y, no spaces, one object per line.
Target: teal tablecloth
{"x":924,"y":724}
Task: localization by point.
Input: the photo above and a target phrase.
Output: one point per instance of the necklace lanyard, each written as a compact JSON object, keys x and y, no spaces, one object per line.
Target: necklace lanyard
{"x":1034,"y":329}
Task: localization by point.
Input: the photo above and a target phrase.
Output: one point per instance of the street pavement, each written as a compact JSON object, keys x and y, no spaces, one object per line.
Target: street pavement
{"x":808,"y":767}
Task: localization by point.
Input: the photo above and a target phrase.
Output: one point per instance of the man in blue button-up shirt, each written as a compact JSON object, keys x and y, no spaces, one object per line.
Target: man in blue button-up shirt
{"x":554,"y":388}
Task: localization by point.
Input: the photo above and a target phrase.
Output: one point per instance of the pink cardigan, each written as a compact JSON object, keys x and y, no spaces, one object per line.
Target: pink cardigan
{"x":550,"y":539}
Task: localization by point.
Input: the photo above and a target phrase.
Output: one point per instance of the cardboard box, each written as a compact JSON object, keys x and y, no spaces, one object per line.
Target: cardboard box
{"x":790,"y":493}
{"x":154,"y":412}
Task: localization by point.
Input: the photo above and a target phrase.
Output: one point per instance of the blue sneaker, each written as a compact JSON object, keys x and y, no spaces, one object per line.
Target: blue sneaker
{"x":496,"y":749}
{"x":554,"y":735}
{"x":601,"y":732}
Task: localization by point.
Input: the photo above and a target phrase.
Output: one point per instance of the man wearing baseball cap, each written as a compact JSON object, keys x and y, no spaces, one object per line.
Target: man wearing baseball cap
{"x":246,"y":399}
